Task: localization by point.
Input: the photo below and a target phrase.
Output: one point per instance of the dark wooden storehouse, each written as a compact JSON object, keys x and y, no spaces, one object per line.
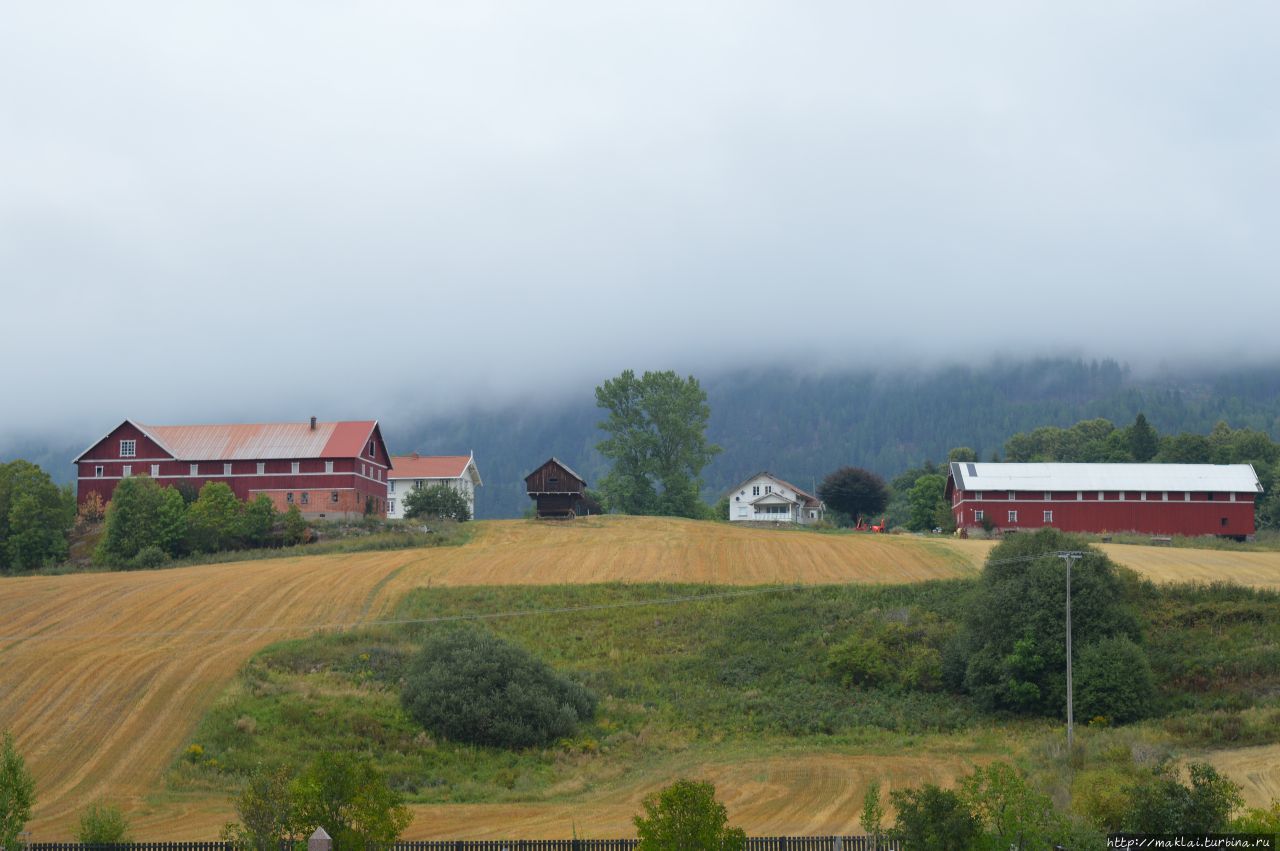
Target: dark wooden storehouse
{"x":557,"y":491}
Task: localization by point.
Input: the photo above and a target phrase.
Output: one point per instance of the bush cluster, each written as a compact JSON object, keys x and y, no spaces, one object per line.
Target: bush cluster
{"x":471,"y":686}
{"x":901,"y":648}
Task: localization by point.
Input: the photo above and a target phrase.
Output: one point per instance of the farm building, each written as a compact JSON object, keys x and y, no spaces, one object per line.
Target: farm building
{"x":1156,"y":499}
{"x":332,"y":470}
{"x":765,"y":498}
{"x":557,"y":491}
{"x":410,"y":472}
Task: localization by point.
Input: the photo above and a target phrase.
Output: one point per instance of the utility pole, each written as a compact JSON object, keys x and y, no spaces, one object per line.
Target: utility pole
{"x":1069,"y":556}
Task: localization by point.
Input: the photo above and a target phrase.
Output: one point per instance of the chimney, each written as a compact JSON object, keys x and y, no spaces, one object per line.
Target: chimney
{"x":313,"y":423}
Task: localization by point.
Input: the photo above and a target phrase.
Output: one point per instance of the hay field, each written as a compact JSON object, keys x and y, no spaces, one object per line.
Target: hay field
{"x":1165,"y":564}
{"x":103,"y":676}
{"x":1257,"y":770}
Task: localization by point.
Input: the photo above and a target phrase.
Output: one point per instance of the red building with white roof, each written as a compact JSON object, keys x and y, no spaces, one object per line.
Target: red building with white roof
{"x":1155,"y":499}
{"x":331,"y":470}
{"x":423,"y":471}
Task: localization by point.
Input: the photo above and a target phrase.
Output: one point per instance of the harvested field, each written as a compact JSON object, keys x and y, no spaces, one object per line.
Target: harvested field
{"x":1165,"y":564}
{"x":1257,"y":770}
{"x":103,"y":676}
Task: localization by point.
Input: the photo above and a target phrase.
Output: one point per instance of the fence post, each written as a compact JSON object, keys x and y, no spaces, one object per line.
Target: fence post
{"x":320,"y":841}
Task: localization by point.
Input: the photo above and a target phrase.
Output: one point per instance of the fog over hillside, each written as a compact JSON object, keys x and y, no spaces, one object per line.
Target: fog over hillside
{"x":225,"y":212}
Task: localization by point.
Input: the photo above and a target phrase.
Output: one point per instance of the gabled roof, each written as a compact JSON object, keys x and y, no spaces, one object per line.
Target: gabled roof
{"x":775,"y":497}
{"x":809,"y":499}
{"x":252,"y":441}
{"x":993,"y":476}
{"x":563,"y":466}
{"x":417,"y":466}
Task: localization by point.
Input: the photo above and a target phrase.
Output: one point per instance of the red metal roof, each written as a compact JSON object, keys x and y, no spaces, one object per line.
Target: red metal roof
{"x":417,"y":466}
{"x":250,"y":441}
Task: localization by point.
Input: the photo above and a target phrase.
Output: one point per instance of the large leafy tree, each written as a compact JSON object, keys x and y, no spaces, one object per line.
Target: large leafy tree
{"x":1015,"y":630}
{"x":657,"y":442}
{"x":35,"y":517}
{"x":215,"y":520}
{"x":350,"y":799}
{"x":141,"y":514}
{"x":17,"y":793}
{"x":854,"y":492}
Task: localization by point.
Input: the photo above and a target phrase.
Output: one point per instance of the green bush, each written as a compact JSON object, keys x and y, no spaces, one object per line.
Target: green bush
{"x":141,"y":514}
{"x":103,"y":824}
{"x":437,"y":501}
{"x":934,"y":819}
{"x":902,"y":648}
{"x":471,"y":686}
{"x":1159,"y":802}
{"x":17,"y":792}
{"x":686,"y":816}
{"x":148,"y":557}
{"x":1113,"y":680}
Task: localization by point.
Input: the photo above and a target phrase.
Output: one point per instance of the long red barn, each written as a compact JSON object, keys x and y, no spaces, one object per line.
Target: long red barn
{"x":331,"y":470}
{"x":1155,"y":499}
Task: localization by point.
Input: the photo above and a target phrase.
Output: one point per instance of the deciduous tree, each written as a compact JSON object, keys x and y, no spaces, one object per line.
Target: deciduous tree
{"x":17,"y":793}
{"x":854,"y":492}
{"x":437,"y":501}
{"x":686,"y":816}
{"x":657,"y":442}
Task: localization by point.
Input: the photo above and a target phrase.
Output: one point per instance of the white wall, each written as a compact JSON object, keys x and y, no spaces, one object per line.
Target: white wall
{"x":403,"y":487}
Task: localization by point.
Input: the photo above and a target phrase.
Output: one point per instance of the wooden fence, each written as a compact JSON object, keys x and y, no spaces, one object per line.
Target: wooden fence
{"x":754,"y":843}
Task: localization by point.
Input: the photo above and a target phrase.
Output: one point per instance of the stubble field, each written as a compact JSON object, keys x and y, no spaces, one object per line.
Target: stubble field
{"x":103,"y":676}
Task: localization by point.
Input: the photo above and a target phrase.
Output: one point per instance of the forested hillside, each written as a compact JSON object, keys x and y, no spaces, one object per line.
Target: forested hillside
{"x":802,"y":426}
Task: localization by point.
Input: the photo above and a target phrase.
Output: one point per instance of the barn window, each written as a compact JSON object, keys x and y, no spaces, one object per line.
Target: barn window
{"x":1048,"y":495}
{"x":195,"y":469}
{"x":155,"y":471}
{"x":297,"y":467}
{"x":226,"y":469}
{"x":306,"y":498}
{"x":1013,"y":517}
{"x":979,"y":515}
{"x":127,"y":471}
{"x":97,"y":471}
{"x":262,"y":468}
{"x":1210,"y":495}
{"x":1048,"y":517}
{"x":1012,"y":495}
{"x":553,"y":480}
{"x":328,"y":466}
{"x":333,"y":496}
{"x":1224,"y":522}
{"x":977,"y":494}
{"x":289,"y":497}
{"x":128,"y":449}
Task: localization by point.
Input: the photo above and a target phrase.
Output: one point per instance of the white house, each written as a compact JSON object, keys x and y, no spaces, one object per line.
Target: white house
{"x":765,"y":498}
{"x":415,"y":471}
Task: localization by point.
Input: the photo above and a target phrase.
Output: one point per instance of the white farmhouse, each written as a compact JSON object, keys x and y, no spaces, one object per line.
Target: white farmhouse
{"x":417,"y":471}
{"x":765,"y":498}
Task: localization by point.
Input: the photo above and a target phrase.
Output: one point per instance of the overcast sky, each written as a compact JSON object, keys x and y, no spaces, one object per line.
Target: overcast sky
{"x":265,"y":210}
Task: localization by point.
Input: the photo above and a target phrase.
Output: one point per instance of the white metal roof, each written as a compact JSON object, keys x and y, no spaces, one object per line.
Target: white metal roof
{"x":977,"y":476}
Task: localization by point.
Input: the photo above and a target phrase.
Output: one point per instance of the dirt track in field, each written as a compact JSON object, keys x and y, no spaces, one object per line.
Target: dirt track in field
{"x":103,"y":676}
{"x":1257,"y":770}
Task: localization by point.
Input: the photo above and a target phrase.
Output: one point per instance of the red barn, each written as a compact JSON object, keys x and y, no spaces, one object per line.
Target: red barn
{"x":1155,"y":499}
{"x":329,"y":470}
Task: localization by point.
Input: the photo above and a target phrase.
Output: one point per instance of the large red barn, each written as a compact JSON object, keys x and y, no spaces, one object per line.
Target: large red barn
{"x":1155,"y":499}
{"x":331,"y":470}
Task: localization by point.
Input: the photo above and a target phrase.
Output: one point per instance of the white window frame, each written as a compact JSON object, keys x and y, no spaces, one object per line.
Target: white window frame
{"x":288,"y":497}
{"x":262,"y":468}
{"x":755,"y":490}
{"x":977,"y":494}
{"x":306,"y":497}
{"x":226,"y":468}
{"x":391,"y":486}
{"x":195,"y":469}
{"x":1013,"y":495}
{"x":127,"y":471}
{"x":1048,"y":495}
{"x":328,"y":466}
{"x":391,"y":506}
{"x":97,"y":471}
{"x":1013,"y":516}
{"x":979,"y":515}
{"x":128,"y":449}
{"x":1048,"y":517}
{"x":297,"y":467}
{"x":155,"y":471}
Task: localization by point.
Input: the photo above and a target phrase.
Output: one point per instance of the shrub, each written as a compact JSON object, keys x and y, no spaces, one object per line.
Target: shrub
{"x":1159,"y":802}
{"x":686,"y":816}
{"x":266,"y":810}
{"x":148,"y":557}
{"x":1113,"y":680}
{"x":295,"y":526}
{"x":92,"y":510}
{"x":103,"y":824}
{"x":141,"y":514}
{"x":471,"y":686}
{"x":934,"y":819}
{"x":902,"y":648}
{"x":350,"y":799}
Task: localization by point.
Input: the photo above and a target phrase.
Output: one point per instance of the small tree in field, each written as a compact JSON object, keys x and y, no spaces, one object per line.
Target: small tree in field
{"x":437,"y":501}
{"x":266,"y":810}
{"x":103,"y":824}
{"x":350,"y":800}
{"x":295,"y":526}
{"x":17,"y":793}
{"x":854,"y":491}
{"x":686,"y":816}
